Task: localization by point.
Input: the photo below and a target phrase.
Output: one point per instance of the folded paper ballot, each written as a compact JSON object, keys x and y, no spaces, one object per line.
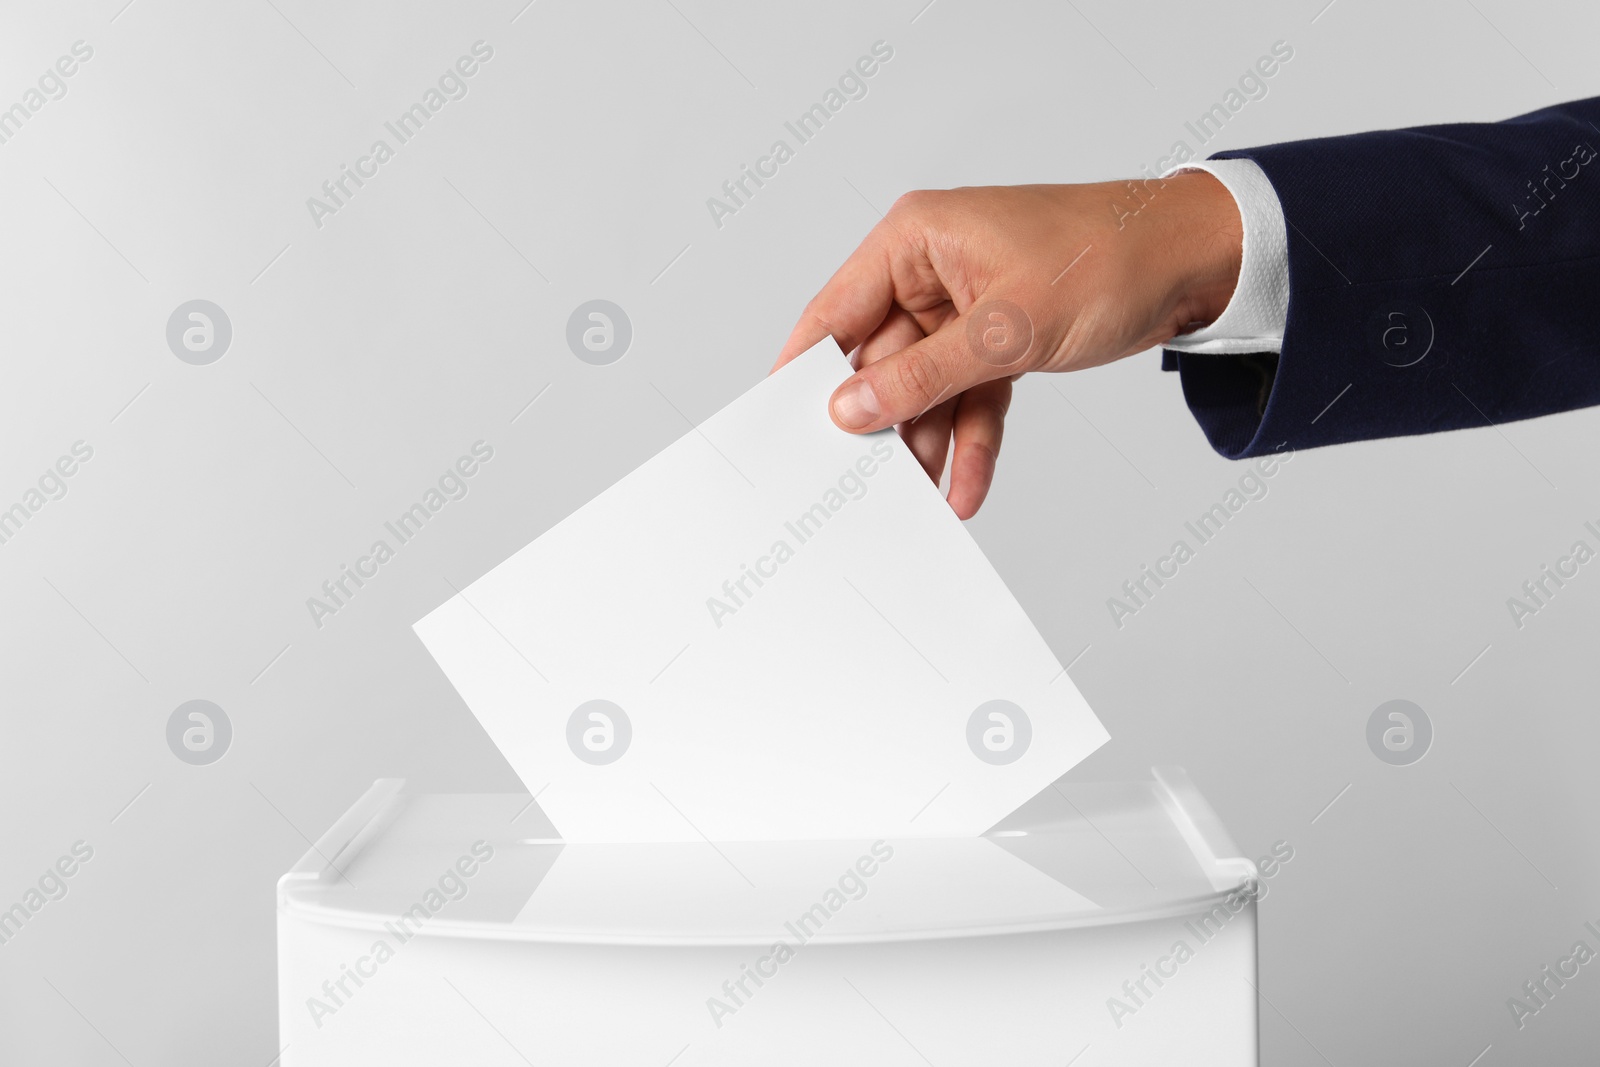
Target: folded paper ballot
{"x":771,"y":630}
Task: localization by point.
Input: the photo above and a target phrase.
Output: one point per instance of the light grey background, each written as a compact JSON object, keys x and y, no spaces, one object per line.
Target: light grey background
{"x":367,"y":355}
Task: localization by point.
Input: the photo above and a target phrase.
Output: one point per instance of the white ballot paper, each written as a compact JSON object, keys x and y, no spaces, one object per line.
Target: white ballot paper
{"x":771,"y":630}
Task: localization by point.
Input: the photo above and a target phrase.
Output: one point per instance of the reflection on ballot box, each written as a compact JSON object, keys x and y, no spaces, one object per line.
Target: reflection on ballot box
{"x":1111,"y":920}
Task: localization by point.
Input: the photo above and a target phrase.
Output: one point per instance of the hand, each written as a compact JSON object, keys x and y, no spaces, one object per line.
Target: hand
{"x":957,"y":293}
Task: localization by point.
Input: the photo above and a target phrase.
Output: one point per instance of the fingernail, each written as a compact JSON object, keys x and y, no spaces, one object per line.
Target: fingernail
{"x":855,"y":405}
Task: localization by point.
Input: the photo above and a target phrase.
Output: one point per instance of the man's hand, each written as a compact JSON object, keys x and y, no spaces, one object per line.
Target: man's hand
{"x":957,"y":293}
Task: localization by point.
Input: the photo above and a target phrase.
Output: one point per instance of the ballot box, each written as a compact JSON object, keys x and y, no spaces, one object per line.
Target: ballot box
{"x":1102,"y":923}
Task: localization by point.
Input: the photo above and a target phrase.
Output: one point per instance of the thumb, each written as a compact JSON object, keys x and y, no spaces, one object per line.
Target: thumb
{"x":993,"y":339}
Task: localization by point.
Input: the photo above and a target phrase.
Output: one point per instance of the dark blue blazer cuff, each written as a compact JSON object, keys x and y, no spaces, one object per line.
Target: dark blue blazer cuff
{"x":1440,"y":277}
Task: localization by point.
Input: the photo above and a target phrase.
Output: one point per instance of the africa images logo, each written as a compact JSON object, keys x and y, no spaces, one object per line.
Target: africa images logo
{"x":338,"y":191}
{"x":452,"y":885}
{"x":850,"y":886}
{"x":852,"y":85}
{"x":851,"y":485}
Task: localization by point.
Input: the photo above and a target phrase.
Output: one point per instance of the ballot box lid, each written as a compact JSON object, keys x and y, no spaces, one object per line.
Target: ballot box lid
{"x":489,"y":865}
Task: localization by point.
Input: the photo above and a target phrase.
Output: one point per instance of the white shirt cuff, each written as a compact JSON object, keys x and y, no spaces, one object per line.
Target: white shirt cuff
{"x":1258,"y":311}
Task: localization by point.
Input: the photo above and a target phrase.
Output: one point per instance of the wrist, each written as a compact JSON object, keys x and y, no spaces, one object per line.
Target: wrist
{"x":1206,"y":246}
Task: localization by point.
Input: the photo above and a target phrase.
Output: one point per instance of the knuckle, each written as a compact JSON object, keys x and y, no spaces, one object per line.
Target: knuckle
{"x":916,"y":202}
{"x":989,"y":413}
{"x":917,"y":378}
{"x":987,"y":453}
{"x":985,"y":408}
{"x":817,"y":312}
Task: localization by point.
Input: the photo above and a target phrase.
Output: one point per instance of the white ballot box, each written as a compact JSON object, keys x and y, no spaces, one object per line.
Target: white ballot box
{"x":1104,"y":923}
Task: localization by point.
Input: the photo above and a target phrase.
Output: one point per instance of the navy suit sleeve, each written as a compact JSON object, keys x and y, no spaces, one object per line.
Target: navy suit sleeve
{"x":1439,"y":278}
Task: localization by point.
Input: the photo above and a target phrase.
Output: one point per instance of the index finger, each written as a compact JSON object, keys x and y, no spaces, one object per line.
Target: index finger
{"x":855,"y":301}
